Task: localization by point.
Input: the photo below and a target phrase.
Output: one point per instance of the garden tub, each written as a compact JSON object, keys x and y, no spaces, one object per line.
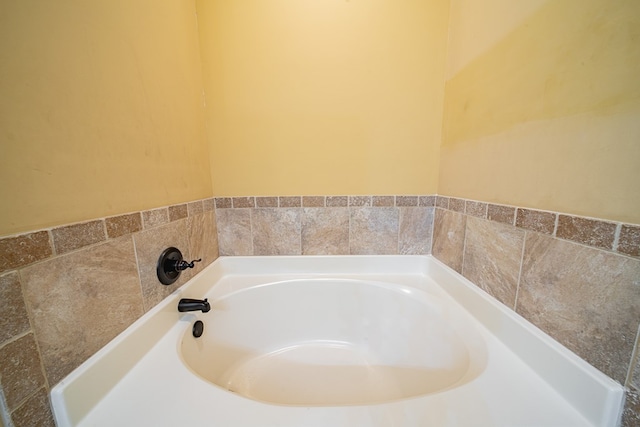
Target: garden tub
{"x":339,"y":341}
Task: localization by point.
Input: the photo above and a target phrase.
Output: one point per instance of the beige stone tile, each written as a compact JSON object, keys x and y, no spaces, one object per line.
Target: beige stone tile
{"x":208,"y":204}
{"x":223,"y":202}
{"x":337,"y":201}
{"x":477,"y":209}
{"x":406,"y":201}
{"x":177,"y":212}
{"x":383,"y":201}
{"x":415,"y":229}
{"x":629,"y":241}
{"x":503,"y":214}
{"x":586,"y":298}
{"x":149,"y":246}
{"x":195,"y":208}
{"x":360,"y":201}
{"x":234,"y":232}
{"x":122,"y":225}
{"x":313,"y":201}
{"x":16,"y":252}
{"x":266,"y":202}
{"x":542,"y":222}
{"x":244,"y":202}
{"x":442,"y":202}
{"x":325,"y":231}
{"x":599,"y":234}
{"x":276,"y":231}
{"x":36,"y":411}
{"x":492,"y":257}
{"x":374,"y":231}
{"x":76,"y":236}
{"x":155,"y":217}
{"x":13,"y":312}
{"x":427,"y":201}
{"x":20,"y":371}
{"x":290,"y":201}
{"x":203,"y":239}
{"x":448,"y":237}
{"x":456,"y":205}
{"x":80,"y":301}
{"x":631,"y":414}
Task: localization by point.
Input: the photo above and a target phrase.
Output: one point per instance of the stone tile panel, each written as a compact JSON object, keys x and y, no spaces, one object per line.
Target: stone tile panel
{"x":477,"y":209}
{"x":406,"y":201}
{"x":234,"y":232}
{"x":373,"y":231}
{"x":599,"y":234}
{"x":290,"y":201}
{"x":36,"y":411}
{"x":588,"y":299}
{"x":20,"y":371}
{"x":276,"y":231}
{"x":629,"y":241}
{"x":122,"y":225}
{"x":203,"y":239}
{"x":415,"y":230}
{"x":13,"y":311}
{"x":383,"y":201}
{"x":19,"y":251}
{"x":540,"y":221}
{"x":266,"y":202}
{"x":313,"y":201}
{"x":76,"y":236}
{"x":177,"y":212}
{"x":492,"y":256}
{"x":325,"y":231}
{"x":503,"y":214}
{"x":448,"y":237}
{"x":244,"y":202}
{"x":337,"y":201}
{"x":155,"y":217}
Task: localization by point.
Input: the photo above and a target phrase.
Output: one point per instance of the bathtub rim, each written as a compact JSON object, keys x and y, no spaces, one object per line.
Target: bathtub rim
{"x":558,"y":365}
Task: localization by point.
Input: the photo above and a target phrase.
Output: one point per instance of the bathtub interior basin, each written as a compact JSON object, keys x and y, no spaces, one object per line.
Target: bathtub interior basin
{"x":333,"y":342}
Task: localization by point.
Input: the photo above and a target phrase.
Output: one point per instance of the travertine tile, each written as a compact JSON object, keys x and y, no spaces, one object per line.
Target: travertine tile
{"x":223,"y":202}
{"x":244,"y":202}
{"x":325,"y":231}
{"x":416,"y":225}
{"x":427,"y":201}
{"x":448,"y":237}
{"x":337,"y":201}
{"x":149,"y":246}
{"x":13,"y":312}
{"x":406,"y":201}
{"x":266,"y":202}
{"x":80,"y":301}
{"x":492,"y":257}
{"x":313,"y":201}
{"x":631,"y":414}
{"x":76,"y":236}
{"x":477,"y":209}
{"x":629,"y":241}
{"x":599,"y":234}
{"x":20,"y":371}
{"x":155,"y":217}
{"x":442,"y":202}
{"x":360,"y":201}
{"x":588,"y":299}
{"x":208,"y":204}
{"x":122,"y":225}
{"x":177,"y":212}
{"x":194,"y":208}
{"x":276,"y":231}
{"x":290,"y":201}
{"x":542,"y":222}
{"x":503,"y":214}
{"x":234,"y":232}
{"x":203,"y":239}
{"x":36,"y":411}
{"x":374,"y":231}
{"x":456,"y":205}
{"x":383,"y":201}
{"x":16,"y":252}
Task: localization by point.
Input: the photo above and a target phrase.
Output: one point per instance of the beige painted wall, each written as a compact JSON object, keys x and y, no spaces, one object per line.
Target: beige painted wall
{"x":323,"y":97}
{"x":100,"y":110}
{"x":542,"y":106}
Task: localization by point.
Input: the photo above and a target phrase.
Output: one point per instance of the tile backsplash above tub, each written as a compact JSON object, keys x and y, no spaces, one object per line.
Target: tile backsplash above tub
{"x":325,"y":225}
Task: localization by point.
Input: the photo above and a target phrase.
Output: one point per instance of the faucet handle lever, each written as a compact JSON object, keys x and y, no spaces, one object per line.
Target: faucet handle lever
{"x":183,"y":265}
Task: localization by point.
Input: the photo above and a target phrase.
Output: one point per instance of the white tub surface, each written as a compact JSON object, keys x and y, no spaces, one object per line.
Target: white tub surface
{"x":506,"y":373}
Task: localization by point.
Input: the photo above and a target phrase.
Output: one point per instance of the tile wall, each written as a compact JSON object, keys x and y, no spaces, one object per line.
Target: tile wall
{"x":325,"y":225}
{"x":577,"y":279}
{"x":65,"y":292}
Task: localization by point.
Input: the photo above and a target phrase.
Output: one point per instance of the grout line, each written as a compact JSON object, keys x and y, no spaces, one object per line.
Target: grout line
{"x":616,"y":237}
{"x":632,"y":362}
{"x":555,"y":224}
{"x":524,"y":245}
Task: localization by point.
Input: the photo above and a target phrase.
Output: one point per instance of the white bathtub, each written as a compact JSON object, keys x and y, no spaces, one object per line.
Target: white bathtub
{"x":335,"y":341}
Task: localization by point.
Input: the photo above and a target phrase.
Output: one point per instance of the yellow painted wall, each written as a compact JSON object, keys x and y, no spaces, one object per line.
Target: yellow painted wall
{"x":542,"y":105}
{"x":101,"y":110}
{"x":323,"y":97}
